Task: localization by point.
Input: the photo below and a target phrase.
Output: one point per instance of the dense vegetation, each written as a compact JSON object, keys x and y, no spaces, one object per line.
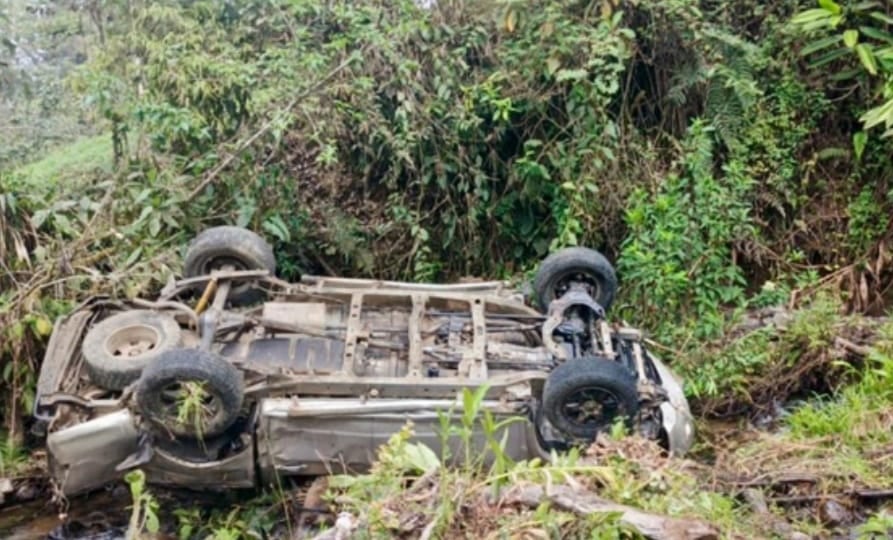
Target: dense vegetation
{"x":726,"y":156}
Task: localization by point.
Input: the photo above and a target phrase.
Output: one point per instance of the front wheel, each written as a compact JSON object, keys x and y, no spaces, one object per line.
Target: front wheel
{"x":586,"y":396}
{"x":190,"y":393}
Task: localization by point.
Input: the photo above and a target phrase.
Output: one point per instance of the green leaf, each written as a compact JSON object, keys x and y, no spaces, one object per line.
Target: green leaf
{"x":878,"y":115}
{"x":421,"y":458}
{"x":877,"y":15}
{"x":846,"y":74}
{"x":831,"y":6}
{"x":133,"y":257}
{"x":342,"y":481}
{"x":277,"y":227}
{"x":874,"y":33}
{"x":860,"y":138}
{"x":42,"y":326}
{"x":152,"y":524}
{"x":820,"y":44}
{"x":155,"y":225}
{"x":830,"y":153}
{"x":571,"y":75}
{"x":864,"y":6}
{"x":867,"y":58}
{"x":39,"y":217}
{"x":810,"y":16}
{"x":850,"y":38}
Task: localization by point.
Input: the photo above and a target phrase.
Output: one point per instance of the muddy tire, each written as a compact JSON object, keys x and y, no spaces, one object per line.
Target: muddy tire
{"x":585,"y":396}
{"x":190,"y":393}
{"x":243,"y":249}
{"x":576,"y":264}
{"x":118,"y":348}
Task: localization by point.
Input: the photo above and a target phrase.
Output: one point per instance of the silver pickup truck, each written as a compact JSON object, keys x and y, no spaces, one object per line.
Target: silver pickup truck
{"x":232,"y":377}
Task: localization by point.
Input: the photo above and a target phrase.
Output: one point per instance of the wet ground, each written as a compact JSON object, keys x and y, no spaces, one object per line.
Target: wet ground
{"x":99,"y":516}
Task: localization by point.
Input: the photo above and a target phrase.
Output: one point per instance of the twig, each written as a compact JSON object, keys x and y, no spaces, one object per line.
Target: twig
{"x":844,"y":343}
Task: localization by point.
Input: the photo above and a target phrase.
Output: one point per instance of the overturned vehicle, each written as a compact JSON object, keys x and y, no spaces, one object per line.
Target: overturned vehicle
{"x":232,"y":377}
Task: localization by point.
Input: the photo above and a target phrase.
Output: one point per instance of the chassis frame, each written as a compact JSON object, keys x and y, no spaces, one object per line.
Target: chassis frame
{"x":310,"y":424}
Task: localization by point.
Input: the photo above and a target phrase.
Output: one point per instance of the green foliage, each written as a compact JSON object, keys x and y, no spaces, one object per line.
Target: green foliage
{"x":78,"y":163}
{"x":144,"y":512}
{"x":13,"y":457}
{"x":857,"y":416}
{"x":624,"y":469}
{"x":678,"y":255}
{"x":762,"y":365}
{"x":469,"y":115}
{"x":37,"y":112}
{"x":867,"y":222}
{"x":859,"y":31}
{"x":879,"y":525}
{"x":247,"y":520}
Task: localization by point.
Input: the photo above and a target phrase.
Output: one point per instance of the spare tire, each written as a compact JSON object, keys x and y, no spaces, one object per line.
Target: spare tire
{"x":190,"y":393}
{"x":118,"y":348}
{"x":238,"y":247}
{"x":585,"y":396}
{"x":580,"y":265}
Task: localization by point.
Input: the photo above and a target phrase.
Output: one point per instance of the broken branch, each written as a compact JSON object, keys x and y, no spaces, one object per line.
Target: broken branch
{"x":654,"y":526}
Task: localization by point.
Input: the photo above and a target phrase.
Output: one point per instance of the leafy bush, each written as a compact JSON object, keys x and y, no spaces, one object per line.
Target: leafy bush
{"x":678,"y":255}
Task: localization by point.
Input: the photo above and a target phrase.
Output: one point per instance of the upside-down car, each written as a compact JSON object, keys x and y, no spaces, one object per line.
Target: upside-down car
{"x":232,"y":377}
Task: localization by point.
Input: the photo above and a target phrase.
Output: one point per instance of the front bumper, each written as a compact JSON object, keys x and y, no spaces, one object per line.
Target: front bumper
{"x":678,"y":422}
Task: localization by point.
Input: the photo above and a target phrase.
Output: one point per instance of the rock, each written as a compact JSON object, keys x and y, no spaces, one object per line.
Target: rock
{"x":832,"y":513}
{"x":6,"y":488}
{"x":756,"y":500}
{"x":27,"y":491}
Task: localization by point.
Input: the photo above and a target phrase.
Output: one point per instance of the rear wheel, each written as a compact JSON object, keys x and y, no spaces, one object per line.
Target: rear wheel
{"x":118,"y":348}
{"x":575,"y":267}
{"x":585,"y":396}
{"x":239,"y":248}
{"x":190,"y":393}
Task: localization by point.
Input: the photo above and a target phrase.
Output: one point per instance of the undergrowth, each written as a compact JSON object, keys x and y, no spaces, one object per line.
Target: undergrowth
{"x":410,"y":490}
{"x":760,"y":364}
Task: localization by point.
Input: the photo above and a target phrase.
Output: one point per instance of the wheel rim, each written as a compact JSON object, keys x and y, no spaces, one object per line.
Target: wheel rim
{"x":211,"y":264}
{"x":135,"y":341}
{"x":188,"y":407}
{"x":592,"y":407}
{"x":219,"y":262}
{"x":576,"y":279}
